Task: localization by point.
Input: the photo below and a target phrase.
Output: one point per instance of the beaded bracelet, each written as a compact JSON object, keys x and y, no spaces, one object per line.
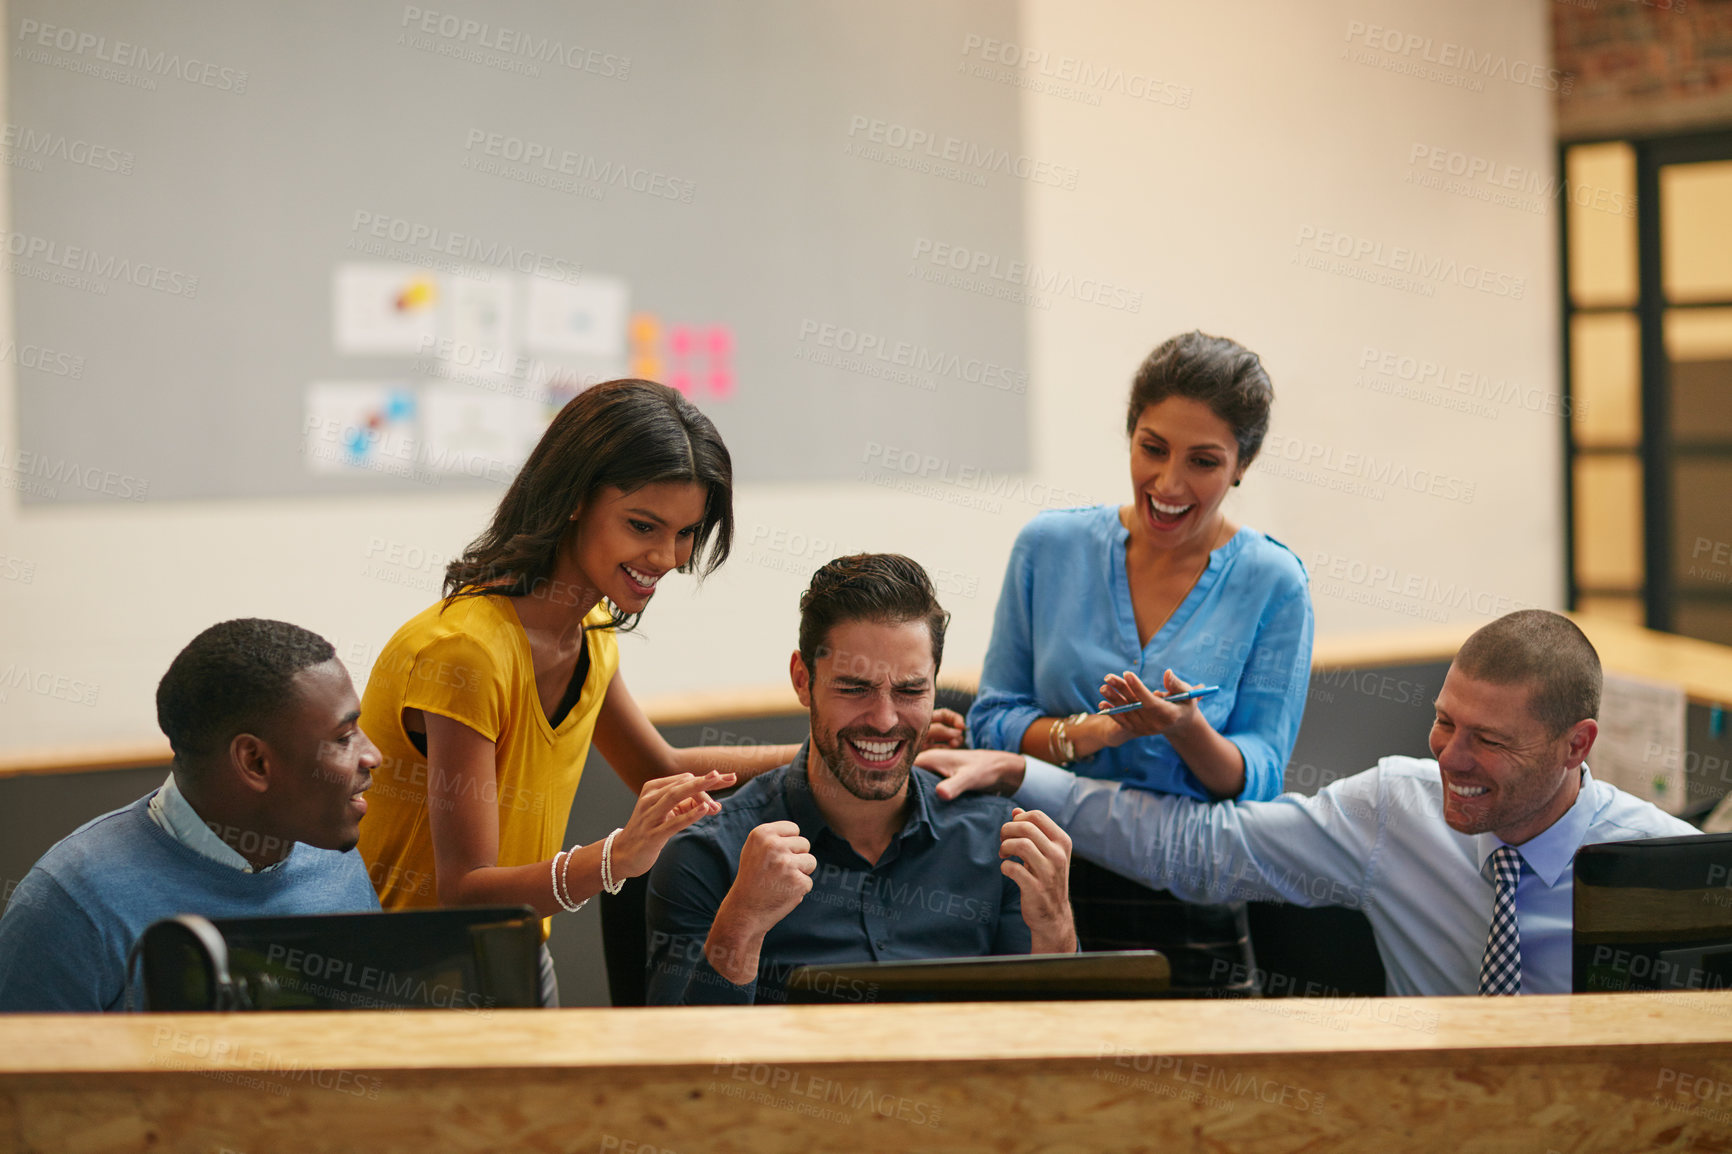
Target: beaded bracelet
{"x":560,"y":893}
{"x":607,"y":879}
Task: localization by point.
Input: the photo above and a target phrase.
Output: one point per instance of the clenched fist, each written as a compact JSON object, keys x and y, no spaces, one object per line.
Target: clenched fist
{"x":776,"y":867}
{"x":1036,"y":855}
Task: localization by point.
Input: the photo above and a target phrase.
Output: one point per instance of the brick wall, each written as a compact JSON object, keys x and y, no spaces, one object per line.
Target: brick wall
{"x":1643,"y":67}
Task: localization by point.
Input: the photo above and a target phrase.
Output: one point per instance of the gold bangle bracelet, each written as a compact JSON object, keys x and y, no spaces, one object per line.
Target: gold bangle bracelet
{"x":1058,"y":736}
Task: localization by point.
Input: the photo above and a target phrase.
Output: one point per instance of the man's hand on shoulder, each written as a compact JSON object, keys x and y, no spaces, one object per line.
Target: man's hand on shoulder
{"x":776,"y":867}
{"x":974,"y":771}
{"x":1043,"y":875}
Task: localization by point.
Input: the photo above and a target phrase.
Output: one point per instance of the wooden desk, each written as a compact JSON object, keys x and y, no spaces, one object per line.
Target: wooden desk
{"x":1591,"y":1073}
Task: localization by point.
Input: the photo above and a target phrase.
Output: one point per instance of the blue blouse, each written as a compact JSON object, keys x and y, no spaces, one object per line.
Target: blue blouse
{"x":1245,"y":626}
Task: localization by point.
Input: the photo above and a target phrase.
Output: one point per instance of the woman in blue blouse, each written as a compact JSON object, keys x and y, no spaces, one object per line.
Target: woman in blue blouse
{"x":1139,"y":601}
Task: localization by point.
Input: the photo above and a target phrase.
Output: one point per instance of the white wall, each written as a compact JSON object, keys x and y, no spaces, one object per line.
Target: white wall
{"x":1199,"y":208}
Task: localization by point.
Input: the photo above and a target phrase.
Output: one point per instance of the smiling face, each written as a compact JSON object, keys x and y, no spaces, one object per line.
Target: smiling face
{"x":870,"y":700}
{"x":326,"y":763}
{"x":626,"y":542}
{"x":1503,"y":770}
{"x":1184,"y":459}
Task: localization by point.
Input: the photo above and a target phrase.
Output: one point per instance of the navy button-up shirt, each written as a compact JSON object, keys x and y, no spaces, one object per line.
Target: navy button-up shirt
{"x":936,"y":892}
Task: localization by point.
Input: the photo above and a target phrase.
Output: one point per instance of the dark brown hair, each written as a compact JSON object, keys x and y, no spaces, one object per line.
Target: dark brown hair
{"x":1222,"y":374}
{"x":1544,"y":651}
{"x":883,"y":587}
{"x":622,"y":434}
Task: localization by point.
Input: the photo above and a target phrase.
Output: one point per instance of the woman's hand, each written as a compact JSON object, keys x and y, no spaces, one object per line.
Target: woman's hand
{"x":1217,"y":763}
{"x":1156,"y":718}
{"x":665,"y":806}
{"x":947,"y":731}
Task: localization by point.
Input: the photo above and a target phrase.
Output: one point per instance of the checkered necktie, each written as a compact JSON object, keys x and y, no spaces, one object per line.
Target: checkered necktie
{"x":1501,"y":970}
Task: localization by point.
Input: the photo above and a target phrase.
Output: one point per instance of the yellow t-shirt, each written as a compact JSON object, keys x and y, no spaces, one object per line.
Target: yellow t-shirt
{"x":471,"y":663}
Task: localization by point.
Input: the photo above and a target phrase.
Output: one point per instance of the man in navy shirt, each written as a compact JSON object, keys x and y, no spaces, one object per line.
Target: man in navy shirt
{"x":846,"y":855}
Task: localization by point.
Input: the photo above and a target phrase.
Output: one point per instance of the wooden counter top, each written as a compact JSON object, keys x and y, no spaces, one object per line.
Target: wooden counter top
{"x":612,"y":1039}
{"x":1588,"y":1073}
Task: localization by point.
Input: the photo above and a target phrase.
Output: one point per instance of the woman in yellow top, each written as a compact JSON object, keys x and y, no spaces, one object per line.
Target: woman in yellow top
{"x":484,"y":705}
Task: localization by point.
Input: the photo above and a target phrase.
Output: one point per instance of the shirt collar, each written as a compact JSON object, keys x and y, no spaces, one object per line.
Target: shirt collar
{"x":920,"y":787}
{"x":797,"y":795}
{"x":170,"y":809}
{"x":1225,"y":552}
{"x":803,"y":807}
{"x":1549,"y":853}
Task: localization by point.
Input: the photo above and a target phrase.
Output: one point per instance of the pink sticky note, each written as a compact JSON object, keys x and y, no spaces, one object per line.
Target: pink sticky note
{"x":721,"y":384}
{"x":682,"y":381}
{"x":680,"y":340}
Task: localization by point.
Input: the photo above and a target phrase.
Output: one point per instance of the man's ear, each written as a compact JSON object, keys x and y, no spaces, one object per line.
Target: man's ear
{"x":1581,"y":740}
{"x":802,"y":679}
{"x":251,"y":761}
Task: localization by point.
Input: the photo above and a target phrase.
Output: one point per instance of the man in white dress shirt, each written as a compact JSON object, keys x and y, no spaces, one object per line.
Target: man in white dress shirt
{"x":1464,"y":864}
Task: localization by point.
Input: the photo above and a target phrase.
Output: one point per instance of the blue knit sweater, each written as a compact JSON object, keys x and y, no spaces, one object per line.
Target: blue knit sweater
{"x":65,"y":934}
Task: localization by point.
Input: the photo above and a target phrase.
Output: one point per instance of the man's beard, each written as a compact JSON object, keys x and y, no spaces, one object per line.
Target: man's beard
{"x":867,"y":785}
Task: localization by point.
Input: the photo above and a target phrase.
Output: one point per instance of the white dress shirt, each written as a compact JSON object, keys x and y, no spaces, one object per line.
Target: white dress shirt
{"x":1375,"y":842}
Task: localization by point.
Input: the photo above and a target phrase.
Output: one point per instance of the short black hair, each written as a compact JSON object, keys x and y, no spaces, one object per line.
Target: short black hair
{"x":1542,"y":650}
{"x":884,"y":587}
{"x":1221,"y":373}
{"x":231,"y":679}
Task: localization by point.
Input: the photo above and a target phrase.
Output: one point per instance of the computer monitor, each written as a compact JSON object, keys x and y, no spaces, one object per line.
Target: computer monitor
{"x":1654,"y":915}
{"x":1017,"y":978}
{"x":485,"y":957}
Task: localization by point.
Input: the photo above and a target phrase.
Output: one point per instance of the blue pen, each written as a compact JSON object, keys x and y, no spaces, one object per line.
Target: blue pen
{"x":1199,"y":691}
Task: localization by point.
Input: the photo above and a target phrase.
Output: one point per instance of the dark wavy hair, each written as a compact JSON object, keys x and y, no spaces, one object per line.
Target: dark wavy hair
{"x":622,"y":434}
{"x":1221,"y":373}
{"x":235,"y":677}
{"x":882,"y":587}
